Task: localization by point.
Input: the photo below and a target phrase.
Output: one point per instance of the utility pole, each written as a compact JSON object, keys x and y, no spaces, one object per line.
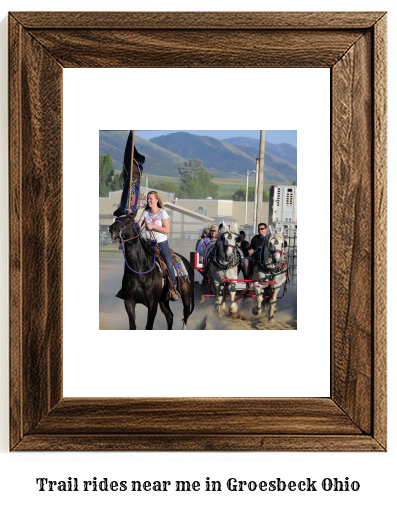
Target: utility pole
{"x":256,"y":195}
{"x":261,"y":176}
{"x":246,"y":196}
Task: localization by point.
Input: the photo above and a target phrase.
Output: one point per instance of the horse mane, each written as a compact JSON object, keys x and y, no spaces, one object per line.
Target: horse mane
{"x":228,"y":228}
{"x":143,"y":242}
{"x":146,"y":246}
{"x":233,"y":228}
{"x":278,"y":236}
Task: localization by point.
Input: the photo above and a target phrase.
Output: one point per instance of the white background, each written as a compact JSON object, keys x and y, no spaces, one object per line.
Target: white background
{"x":375,"y":471}
{"x":194,"y":363}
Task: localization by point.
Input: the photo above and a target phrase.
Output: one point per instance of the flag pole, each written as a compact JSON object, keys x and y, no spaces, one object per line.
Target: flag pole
{"x":131,"y":168}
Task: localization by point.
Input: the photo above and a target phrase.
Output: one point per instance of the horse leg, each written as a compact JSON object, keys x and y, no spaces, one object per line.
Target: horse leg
{"x":130,"y":309}
{"x":186,"y":298}
{"x":224,"y":293}
{"x":169,"y":316}
{"x":218,"y":297}
{"x":257,"y":310}
{"x":273,"y":301}
{"x":232,"y":292}
{"x":151,"y":314}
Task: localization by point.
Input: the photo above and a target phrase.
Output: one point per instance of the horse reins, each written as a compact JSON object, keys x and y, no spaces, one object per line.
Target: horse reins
{"x":129,"y":267}
{"x":129,"y":239}
{"x":122,"y":240}
{"x":129,"y":227}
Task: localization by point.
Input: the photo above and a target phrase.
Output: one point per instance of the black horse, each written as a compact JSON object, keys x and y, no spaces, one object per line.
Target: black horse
{"x":142,"y":281}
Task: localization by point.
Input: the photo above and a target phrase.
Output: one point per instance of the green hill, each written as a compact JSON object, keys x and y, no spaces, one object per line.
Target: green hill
{"x":158,"y":161}
{"x":217,"y":156}
{"x":273,"y":165}
{"x":221,"y":158}
{"x":284,"y":151}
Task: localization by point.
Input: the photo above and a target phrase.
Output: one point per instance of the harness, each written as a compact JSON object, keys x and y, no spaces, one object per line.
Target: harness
{"x":225,"y":265}
{"x":278,"y":268}
{"x":215,"y":258}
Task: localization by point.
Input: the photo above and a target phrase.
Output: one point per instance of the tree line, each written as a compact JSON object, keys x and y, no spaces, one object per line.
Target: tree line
{"x":108,"y":180}
{"x":195,"y":182}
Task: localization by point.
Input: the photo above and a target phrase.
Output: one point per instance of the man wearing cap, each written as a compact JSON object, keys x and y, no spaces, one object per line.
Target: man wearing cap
{"x":256,"y":242}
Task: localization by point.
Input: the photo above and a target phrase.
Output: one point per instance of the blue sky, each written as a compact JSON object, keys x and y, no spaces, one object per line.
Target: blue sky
{"x":272,"y":136}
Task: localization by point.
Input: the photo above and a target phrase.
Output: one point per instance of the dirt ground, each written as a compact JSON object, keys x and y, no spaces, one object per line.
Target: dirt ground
{"x":112,"y":314}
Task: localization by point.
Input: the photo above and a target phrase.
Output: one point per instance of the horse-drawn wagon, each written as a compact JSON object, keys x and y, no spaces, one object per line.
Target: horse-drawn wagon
{"x":206,"y":292}
{"x":221,"y":266}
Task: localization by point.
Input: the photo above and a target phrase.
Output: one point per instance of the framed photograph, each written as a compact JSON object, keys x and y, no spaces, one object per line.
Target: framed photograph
{"x":197,"y":193}
{"x":353,"y":47}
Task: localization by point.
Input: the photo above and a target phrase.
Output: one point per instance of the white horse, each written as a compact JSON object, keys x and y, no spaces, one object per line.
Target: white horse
{"x":222,"y":259}
{"x":274,"y":274}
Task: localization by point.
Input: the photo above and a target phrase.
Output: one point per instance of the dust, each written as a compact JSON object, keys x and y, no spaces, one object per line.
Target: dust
{"x":112,"y":314}
{"x":244,"y":320}
{"x":103,"y":323}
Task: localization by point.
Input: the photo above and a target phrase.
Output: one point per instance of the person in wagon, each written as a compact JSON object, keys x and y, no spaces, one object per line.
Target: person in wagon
{"x":256,"y":242}
{"x":209,"y":239}
{"x":244,"y":245}
{"x":205,"y":234}
{"x":157,"y":222}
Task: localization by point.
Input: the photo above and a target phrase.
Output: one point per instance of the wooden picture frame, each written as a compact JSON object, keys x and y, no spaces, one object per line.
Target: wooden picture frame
{"x":353,"y":46}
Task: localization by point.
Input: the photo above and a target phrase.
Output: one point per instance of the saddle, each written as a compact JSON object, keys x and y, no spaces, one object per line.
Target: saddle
{"x":176,"y":261}
{"x":159,"y":257}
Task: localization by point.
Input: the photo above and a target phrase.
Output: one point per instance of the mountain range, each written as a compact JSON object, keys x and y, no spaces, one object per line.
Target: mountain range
{"x":229,"y":158}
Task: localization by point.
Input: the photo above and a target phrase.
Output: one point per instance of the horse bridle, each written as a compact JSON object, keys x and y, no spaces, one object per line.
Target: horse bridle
{"x":132,"y":226}
{"x":277,"y":269}
{"x":122,"y":240}
{"x":229,"y":264}
{"x":282,"y":253}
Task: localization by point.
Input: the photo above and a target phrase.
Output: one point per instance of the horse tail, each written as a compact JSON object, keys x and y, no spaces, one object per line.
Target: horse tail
{"x":192,"y":302}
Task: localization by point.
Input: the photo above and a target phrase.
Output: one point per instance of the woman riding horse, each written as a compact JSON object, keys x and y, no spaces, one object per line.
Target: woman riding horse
{"x":157,"y":224}
{"x":143,"y":281}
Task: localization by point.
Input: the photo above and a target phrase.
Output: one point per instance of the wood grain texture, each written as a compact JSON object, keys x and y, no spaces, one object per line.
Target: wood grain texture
{"x":199,"y":20}
{"x":351,"y":284}
{"x":196,"y":48}
{"x":353,"y":45}
{"x":199,"y":443}
{"x":36,"y":221}
{"x":197,"y":416}
{"x":379,"y":228}
{"x":15,"y":232}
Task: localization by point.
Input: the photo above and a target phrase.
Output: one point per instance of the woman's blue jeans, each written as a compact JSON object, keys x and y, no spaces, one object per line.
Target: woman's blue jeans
{"x":166,"y":253}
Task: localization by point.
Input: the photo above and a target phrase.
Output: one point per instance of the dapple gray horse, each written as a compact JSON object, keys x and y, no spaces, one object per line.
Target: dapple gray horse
{"x":222,"y":259}
{"x":276,"y":270}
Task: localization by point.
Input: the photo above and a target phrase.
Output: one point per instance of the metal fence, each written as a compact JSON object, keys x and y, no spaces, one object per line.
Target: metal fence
{"x":291,"y":251}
